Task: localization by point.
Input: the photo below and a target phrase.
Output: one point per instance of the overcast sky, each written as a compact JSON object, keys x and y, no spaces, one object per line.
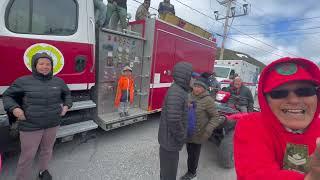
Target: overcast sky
{"x":274,"y":26}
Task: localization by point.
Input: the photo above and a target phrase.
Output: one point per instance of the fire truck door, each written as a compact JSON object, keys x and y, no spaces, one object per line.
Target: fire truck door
{"x":164,"y":58}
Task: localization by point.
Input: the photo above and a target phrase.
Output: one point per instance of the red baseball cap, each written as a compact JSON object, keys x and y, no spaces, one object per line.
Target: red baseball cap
{"x":289,"y":69}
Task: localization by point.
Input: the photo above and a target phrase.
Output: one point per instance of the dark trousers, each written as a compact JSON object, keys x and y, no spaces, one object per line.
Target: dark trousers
{"x":193,"y":156}
{"x":168,"y":164}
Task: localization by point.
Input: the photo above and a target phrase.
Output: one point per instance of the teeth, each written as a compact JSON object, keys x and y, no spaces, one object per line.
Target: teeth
{"x":295,"y":111}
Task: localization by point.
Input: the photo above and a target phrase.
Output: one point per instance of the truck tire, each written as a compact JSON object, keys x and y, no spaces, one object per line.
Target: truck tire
{"x":93,"y":94}
{"x":225,"y":151}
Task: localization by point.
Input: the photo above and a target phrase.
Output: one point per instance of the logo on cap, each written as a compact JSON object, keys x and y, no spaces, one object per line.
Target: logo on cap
{"x":287,"y":69}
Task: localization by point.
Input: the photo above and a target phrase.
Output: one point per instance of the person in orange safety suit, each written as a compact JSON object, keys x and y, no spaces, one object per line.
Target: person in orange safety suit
{"x":125,"y":92}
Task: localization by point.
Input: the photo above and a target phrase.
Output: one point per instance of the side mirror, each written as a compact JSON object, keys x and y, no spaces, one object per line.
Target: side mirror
{"x":223,"y":96}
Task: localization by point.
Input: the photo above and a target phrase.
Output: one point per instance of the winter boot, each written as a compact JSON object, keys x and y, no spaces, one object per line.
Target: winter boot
{"x":189,"y":176}
{"x":45,"y":175}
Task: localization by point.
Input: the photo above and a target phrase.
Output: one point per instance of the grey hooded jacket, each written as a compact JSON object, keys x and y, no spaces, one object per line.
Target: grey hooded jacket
{"x":40,"y":97}
{"x":173,"y":121}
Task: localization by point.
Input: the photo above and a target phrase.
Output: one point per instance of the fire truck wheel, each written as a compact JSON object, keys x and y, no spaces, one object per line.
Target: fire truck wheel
{"x":93,"y":94}
{"x":225,"y":151}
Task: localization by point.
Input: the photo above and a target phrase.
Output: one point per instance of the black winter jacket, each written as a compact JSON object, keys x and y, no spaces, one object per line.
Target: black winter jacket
{"x":173,"y":121}
{"x":40,"y":97}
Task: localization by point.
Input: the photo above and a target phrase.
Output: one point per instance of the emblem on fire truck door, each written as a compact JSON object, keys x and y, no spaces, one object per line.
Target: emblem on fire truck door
{"x":58,"y":59}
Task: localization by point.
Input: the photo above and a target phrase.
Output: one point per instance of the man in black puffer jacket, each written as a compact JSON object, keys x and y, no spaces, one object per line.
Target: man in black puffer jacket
{"x":45,"y":99}
{"x":173,"y":122}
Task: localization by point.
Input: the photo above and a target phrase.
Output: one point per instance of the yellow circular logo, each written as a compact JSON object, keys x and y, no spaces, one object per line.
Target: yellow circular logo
{"x":57,"y":57}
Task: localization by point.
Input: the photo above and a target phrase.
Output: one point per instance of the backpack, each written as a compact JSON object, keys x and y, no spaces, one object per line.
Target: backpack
{"x":191,"y":118}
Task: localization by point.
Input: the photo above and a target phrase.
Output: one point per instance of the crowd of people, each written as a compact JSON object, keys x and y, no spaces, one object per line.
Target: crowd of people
{"x":115,"y":12}
{"x":280,"y":142}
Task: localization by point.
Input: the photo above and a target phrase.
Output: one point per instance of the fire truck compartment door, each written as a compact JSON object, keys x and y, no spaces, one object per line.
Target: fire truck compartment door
{"x":117,"y":50}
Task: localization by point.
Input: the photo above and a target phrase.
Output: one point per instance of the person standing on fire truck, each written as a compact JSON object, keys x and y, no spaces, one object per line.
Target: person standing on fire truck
{"x":143,"y":10}
{"x":166,"y":8}
{"x":119,"y":13}
{"x":100,"y":11}
{"x":38,"y":101}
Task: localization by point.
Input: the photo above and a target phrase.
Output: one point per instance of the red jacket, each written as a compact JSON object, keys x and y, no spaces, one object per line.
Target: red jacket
{"x":260,"y":143}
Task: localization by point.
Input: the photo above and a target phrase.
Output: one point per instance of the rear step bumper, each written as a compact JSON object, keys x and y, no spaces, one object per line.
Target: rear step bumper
{"x":72,"y":129}
{"x":82,"y":105}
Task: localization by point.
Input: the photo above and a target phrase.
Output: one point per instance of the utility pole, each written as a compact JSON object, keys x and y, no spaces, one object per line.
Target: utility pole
{"x":228,"y":4}
{"x":225,"y":29}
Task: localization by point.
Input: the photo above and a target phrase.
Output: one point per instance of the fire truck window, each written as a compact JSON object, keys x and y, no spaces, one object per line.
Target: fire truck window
{"x":58,"y":17}
{"x":17,"y":18}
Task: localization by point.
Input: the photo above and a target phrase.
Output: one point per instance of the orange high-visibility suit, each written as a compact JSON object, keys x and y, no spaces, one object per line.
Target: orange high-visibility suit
{"x":125,"y":90}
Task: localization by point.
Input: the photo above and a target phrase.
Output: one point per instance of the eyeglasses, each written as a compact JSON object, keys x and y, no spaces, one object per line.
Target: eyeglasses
{"x":299,"y":92}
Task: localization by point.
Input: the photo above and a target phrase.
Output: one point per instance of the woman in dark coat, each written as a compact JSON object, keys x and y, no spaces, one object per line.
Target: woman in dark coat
{"x":38,"y":101}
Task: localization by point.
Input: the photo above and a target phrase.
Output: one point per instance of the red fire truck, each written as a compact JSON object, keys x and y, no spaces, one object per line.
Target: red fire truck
{"x":90,"y":60}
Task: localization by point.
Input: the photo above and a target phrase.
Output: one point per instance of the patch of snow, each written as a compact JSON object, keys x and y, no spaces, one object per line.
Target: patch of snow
{"x":242,"y":55}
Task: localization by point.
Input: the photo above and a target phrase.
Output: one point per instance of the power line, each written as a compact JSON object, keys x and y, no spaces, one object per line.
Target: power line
{"x":293,"y":20}
{"x":240,"y":31}
{"x":252,"y":46}
{"x":196,"y":10}
{"x":238,"y":4}
{"x":278,"y":32}
{"x":295,"y":34}
{"x":262,"y":42}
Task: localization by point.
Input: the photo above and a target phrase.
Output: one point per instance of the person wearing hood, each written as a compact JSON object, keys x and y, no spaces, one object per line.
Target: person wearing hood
{"x":172,"y":133}
{"x":206,"y":120}
{"x":281,"y":142}
{"x":38,"y":102}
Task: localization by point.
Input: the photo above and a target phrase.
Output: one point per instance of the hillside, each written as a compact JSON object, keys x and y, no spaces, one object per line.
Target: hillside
{"x":235,"y":55}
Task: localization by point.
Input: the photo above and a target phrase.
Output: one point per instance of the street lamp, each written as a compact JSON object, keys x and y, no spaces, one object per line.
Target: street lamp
{"x":224,"y":2}
{"x":233,"y":11}
{"x":245,"y":8}
{"x":216,"y":15}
